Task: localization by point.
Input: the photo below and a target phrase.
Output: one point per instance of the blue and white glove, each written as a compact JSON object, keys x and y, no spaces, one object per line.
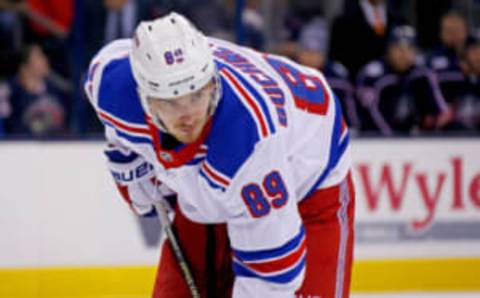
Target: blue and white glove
{"x":136,"y":182}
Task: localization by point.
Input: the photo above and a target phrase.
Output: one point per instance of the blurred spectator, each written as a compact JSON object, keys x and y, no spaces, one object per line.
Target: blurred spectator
{"x":106,"y":20}
{"x":58,"y":12}
{"x":35,"y":105}
{"x":300,"y":13}
{"x":467,"y":110}
{"x":215,"y":17}
{"x":121,"y":19}
{"x":314,"y":35}
{"x":453,"y":31}
{"x":445,"y":58}
{"x":254,"y":24}
{"x":312,"y":52}
{"x":48,"y":23}
{"x":399,"y":96}
{"x":97,"y":23}
{"x":359,"y":36}
{"x":11,"y":37}
{"x":428,"y":15}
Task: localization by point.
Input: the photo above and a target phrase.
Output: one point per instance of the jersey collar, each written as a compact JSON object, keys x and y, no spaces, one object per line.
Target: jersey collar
{"x":176,"y":158}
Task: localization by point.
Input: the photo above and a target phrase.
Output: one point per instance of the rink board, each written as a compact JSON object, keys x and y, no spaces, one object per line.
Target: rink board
{"x":368,"y":277}
{"x":64,"y":230}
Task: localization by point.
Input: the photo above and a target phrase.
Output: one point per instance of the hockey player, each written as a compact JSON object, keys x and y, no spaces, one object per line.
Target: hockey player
{"x":253,"y":145}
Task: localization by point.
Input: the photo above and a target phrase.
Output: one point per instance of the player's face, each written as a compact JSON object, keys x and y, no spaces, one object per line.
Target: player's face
{"x":186,"y":116}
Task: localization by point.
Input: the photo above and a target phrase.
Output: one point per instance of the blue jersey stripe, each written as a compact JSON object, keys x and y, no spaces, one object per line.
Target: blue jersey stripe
{"x":258,"y":98}
{"x":196,"y":161}
{"x":281,"y":278}
{"x":119,"y":157}
{"x":210,"y":181}
{"x":118,"y":92}
{"x":271,"y":253}
{"x":134,"y":139}
{"x":129,"y":137}
{"x":232,"y":139}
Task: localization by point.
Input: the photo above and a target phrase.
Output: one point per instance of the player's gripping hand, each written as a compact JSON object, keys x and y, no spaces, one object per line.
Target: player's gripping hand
{"x":136,"y":182}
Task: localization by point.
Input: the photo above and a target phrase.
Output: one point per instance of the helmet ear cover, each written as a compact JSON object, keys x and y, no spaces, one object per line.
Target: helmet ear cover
{"x":170,"y":58}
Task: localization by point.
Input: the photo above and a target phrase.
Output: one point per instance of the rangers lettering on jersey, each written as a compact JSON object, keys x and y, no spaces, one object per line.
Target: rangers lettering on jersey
{"x":268,"y":84}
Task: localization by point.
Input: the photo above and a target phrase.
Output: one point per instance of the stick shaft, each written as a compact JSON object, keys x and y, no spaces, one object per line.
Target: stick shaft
{"x":182,"y":262}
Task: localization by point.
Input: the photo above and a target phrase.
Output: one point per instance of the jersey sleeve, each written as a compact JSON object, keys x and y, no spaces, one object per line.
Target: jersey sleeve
{"x":95,"y":73}
{"x":134,"y":177}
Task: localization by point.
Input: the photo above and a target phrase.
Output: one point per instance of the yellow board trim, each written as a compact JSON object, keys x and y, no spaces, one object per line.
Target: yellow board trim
{"x":91,"y":282}
{"x":432,"y":275}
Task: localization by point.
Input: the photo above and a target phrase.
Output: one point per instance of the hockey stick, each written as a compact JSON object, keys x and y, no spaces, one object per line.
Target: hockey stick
{"x":182,"y":262}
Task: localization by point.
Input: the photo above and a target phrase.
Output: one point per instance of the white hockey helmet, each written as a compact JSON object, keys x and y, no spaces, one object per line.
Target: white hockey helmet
{"x":170,"y":58}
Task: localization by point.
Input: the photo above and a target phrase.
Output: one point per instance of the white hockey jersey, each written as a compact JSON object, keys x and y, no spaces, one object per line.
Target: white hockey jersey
{"x":276,"y":136}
